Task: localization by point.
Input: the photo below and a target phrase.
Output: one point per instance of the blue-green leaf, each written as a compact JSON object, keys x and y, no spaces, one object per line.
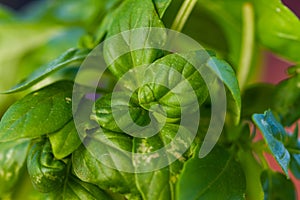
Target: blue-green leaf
{"x":274,"y":135}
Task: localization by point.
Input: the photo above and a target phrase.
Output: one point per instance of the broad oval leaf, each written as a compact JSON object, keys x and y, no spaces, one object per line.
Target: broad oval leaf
{"x":278,"y":28}
{"x":65,"y":141}
{"x":47,"y":174}
{"x":76,"y":189}
{"x":216,"y":176}
{"x":276,"y":186}
{"x":133,"y":48}
{"x":88,"y":168}
{"x":174,"y":84}
{"x":274,"y":135}
{"x":224,"y":71}
{"x":158,"y":184}
{"x":12,"y":159}
{"x":121,"y":108}
{"x":70,"y":56}
{"x":41,"y":112}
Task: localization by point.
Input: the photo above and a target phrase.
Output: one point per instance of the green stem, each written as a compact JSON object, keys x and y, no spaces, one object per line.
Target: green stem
{"x":183,"y":14}
{"x":252,"y":171}
{"x":247,"y":45}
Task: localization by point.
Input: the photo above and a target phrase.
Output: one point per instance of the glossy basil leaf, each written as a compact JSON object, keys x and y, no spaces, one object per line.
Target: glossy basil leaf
{"x":65,"y":141}
{"x":47,"y":174}
{"x":216,"y":176}
{"x":160,"y":183}
{"x":278,"y":28}
{"x":70,"y":56}
{"x":41,"y":112}
{"x":161,"y":6}
{"x":135,"y":45}
{"x":257,"y":99}
{"x":106,"y":112}
{"x":287,"y":97}
{"x":92,"y":164}
{"x":275,"y":136}
{"x":224,"y":71}
{"x":12,"y":159}
{"x":174,"y":84}
{"x":276,"y":186}
{"x":77,"y":190}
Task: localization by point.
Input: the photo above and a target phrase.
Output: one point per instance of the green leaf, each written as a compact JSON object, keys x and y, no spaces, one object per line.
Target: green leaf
{"x":161,"y":6}
{"x":159,"y":183}
{"x":47,"y":174}
{"x":91,"y":165}
{"x":174,"y":84}
{"x":293,"y":146}
{"x":287,"y":97}
{"x":107,"y":111}
{"x":252,"y":170}
{"x":77,"y":190}
{"x":278,"y":28}
{"x":65,"y":141}
{"x":202,"y":27}
{"x":276,"y":186}
{"x":216,"y":176}
{"x":275,"y":136}
{"x":41,"y":112}
{"x":12,"y":159}
{"x":228,"y":17}
{"x":133,"y":44}
{"x":224,"y":71}
{"x":71,"y":56}
{"x":257,"y":99}
{"x":295,"y":165}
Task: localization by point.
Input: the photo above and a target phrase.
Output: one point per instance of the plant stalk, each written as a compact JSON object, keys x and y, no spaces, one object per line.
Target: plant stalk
{"x":247,"y":45}
{"x":183,"y":14}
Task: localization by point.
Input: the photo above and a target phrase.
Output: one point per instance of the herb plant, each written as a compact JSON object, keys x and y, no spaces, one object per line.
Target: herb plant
{"x":47,"y":152}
